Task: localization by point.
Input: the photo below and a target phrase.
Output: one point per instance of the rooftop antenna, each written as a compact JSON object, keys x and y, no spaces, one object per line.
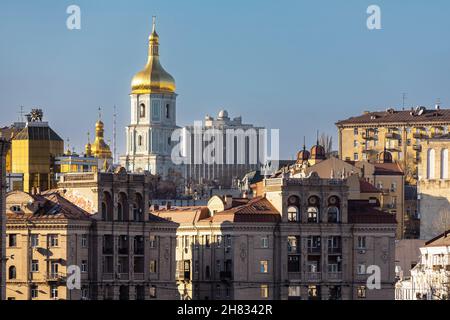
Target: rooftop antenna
{"x":21,"y":113}
{"x":403,"y":100}
{"x":114,"y":135}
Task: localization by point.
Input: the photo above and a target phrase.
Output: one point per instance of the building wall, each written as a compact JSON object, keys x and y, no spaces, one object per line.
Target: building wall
{"x":434,"y":192}
{"x":4,"y":149}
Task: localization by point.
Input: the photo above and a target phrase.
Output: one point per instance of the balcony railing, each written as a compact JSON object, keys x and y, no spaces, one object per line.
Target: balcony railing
{"x":56,"y":277}
{"x":335,"y":275}
{"x":392,"y":136}
{"x":333,"y":250}
{"x":313,"y":276}
{"x":314,"y":250}
{"x":226,"y":275}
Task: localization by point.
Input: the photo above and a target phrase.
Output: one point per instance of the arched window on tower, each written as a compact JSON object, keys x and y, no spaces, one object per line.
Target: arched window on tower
{"x":444,"y":164}
{"x":12,"y":273}
{"x":430,"y":164}
{"x":142,"y":110}
{"x":140,"y":141}
{"x":167,"y":111}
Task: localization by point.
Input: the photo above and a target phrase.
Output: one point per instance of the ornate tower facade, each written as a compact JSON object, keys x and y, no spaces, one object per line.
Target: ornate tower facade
{"x":4,"y":147}
{"x":153,"y":116}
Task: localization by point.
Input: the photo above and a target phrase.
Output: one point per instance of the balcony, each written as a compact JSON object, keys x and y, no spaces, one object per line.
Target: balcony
{"x":183,"y":275}
{"x":313,"y":276}
{"x":226,"y":275}
{"x":332,"y":250}
{"x":334,"y":275}
{"x":392,"y":136}
{"x":55,"y":277}
{"x":314,"y":250}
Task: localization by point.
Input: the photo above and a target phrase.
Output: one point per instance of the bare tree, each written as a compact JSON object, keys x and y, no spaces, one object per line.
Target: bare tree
{"x":327,"y":142}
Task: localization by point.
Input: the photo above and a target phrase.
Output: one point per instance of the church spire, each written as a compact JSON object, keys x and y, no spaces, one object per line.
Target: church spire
{"x":153,"y":41}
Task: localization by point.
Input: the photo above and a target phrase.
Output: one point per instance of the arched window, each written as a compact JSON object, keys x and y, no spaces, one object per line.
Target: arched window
{"x":444,"y":164}
{"x":313,"y":210}
{"x":167,"y":111}
{"x":12,"y":272}
{"x":104,"y":212}
{"x":139,"y":141}
{"x":119,"y":212}
{"x":142,"y":110}
{"x":293,"y":214}
{"x":430,"y":164}
{"x":333,"y":213}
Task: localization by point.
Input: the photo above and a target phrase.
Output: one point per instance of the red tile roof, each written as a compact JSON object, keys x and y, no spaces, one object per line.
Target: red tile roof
{"x":388,"y":169}
{"x":367,"y":187}
{"x":362,"y":212}
{"x":402,"y":116}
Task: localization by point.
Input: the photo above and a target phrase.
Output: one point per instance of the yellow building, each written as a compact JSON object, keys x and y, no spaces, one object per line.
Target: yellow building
{"x":401,"y":132}
{"x":4,"y":147}
{"x":46,"y":234}
{"x":34,"y":150}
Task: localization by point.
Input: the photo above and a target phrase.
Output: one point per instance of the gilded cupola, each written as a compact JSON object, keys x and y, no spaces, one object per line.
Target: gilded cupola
{"x":99,"y":148}
{"x":153,"y":78}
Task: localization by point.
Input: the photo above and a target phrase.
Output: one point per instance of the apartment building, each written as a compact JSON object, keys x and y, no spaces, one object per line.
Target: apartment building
{"x":97,"y":223}
{"x":302,"y":239}
{"x":430,"y":278}
{"x":434,"y":187}
{"x":4,"y":149}
{"x":401,"y":132}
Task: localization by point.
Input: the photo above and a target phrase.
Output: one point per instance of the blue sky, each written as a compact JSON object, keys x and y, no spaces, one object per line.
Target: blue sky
{"x":294,"y":65}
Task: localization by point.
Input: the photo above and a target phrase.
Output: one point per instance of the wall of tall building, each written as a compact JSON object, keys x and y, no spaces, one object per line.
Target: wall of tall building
{"x":4,"y":148}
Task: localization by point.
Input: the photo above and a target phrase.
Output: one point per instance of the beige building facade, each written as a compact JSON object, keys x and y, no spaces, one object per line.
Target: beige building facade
{"x":402,"y":132}
{"x":303,"y":239}
{"x":434,"y":187}
{"x":4,"y":149}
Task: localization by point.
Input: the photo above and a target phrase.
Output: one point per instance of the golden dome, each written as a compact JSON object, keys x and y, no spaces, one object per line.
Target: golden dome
{"x":153,"y":78}
{"x":99,"y":148}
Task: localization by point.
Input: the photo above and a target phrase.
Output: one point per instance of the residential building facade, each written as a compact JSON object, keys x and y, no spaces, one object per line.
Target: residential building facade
{"x":4,"y":149}
{"x":430,"y":278}
{"x":402,"y":132}
{"x":434,"y":187}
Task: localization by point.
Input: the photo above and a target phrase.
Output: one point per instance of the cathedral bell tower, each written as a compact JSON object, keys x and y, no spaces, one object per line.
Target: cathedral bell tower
{"x":153,"y":116}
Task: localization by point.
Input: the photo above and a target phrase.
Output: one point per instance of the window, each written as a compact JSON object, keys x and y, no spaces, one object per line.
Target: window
{"x":313,"y":292}
{"x":355,"y":156}
{"x":84,"y":240}
{"x":444,"y":164}
{"x":34,"y":240}
{"x":34,"y":292}
{"x":294,"y":292}
{"x":152,"y":242}
{"x":152,"y":292}
{"x":293,"y":244}
{"x":12,"y":240}
{"x":52,"y":240}
{"x":355,"y":143}
{"x":408,"y":142}
{"x":264,"y":242}
{"x":361,"y":269}
{"x":361,"y":291}
{"x":393,"y":187}
{"x":264,"y":291}
{"x":313,"y":215}
{"x":361,"y":242}
{"x":84,"y":293}
{"x":84,"y":266}
{"x":333,"y":214}
{"x":54,"y":292}
{"x":207,"y":242}
{"x":218,"y":241}
{"x":196,"y":266}
{"x":54,"y":267}
{"x":152,"y":266}
{"x":140,"y":142}
{"x":218,"y":293}
{"x":430,"y":164}
{"x":12,"y":273}
{"x":293,"y":263}
{"x":156,"y":110}
{"x":167,"y":111}
{"x":264,"y":266}
{"x":34,"y":266}
{"x":293,"y":214}
{"x":142,"y":110}
{"x":218,"y":265}
{"x":228,"y":241}
{"x":313,"y":243}
{"x":355,"y":131}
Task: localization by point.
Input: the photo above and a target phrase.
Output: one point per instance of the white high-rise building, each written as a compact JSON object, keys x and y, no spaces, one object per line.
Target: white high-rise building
{"x":153,"y":117}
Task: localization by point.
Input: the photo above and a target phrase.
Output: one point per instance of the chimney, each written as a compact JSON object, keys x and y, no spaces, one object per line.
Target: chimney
{"x":228,"y":201}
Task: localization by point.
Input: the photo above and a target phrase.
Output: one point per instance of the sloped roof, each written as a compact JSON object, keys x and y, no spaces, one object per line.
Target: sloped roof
{"x":439,"y":241}
{"x":38,"y":133}
{"x":258,"y":209}
{"x":367,"y":187}
{"x":50,"y":205}
{"x":388,"y":169}
{"x":397,"y":117}
{"x":362,"y":212}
